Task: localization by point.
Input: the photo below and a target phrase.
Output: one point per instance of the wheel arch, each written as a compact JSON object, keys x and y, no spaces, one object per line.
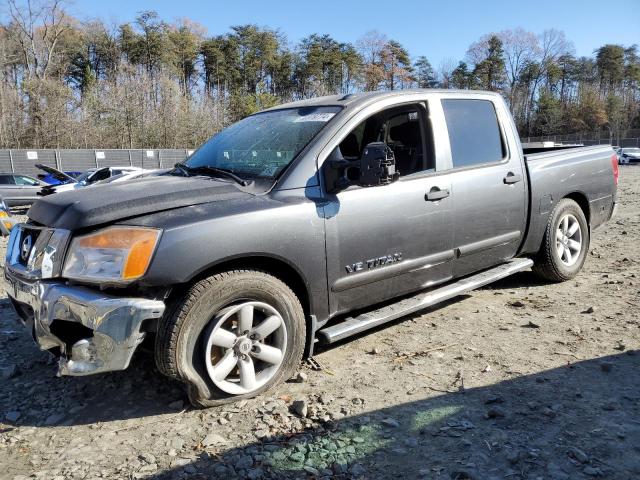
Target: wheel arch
{"x":274,"y":265}
{"x":583,"y":202}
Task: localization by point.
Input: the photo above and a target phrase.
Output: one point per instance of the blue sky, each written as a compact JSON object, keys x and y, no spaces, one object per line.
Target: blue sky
{"x":437,"y":29}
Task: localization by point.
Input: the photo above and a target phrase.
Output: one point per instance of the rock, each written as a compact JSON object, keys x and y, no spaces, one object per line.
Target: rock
{"x":177,"y":444}
{"x":513,"y":456}
{"x":578,"y":455}
{"x":339,"y":468}
{"x":301,"y":377}
{"x":244,"y":462}
{"x":592,"y":471}
{"x":311,"y":470}
{"x":147,"y":457}
{"x":495,"y":412}
{"x":213,"y":439}
{"x":325,"y":398}
{"x":54,"y":419}
{"x":621,"y":347}
{"x":462,"y":475}
{"x":300,"y":408}
{"x":12,"y":416}
{"x":358,"y":470}
{"x":255,"y":473}
{"x":180,"y":462}
{"x":374,"y":351}
{"x":590,"y":310}
{"x":8,"y":372}
{"x":493,"y":399}
{"x":531,"y":325}
{"x":517,"y":304}
{"x":177,"y":405}
{"x":606,"y":366}
{"x":391,"y":422}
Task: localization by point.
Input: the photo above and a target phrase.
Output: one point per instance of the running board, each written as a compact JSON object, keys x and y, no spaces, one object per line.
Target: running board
{"x":365,"y":321}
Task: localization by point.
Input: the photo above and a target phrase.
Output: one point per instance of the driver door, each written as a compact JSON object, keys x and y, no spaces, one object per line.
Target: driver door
{"x":389,"y":240}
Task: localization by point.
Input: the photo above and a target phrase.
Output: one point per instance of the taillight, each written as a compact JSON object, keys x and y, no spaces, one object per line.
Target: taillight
{"x":616,"y":169}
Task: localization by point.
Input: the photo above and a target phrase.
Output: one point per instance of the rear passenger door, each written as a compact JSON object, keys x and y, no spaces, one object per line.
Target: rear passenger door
{"x":488,"y":183}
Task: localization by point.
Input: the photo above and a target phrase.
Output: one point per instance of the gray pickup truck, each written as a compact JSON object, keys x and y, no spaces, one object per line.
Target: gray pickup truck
{"x":309,"y":222}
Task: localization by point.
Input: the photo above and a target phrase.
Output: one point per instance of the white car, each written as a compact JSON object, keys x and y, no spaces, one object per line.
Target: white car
{"x":90,"y":177}
{"x":629,"y":155}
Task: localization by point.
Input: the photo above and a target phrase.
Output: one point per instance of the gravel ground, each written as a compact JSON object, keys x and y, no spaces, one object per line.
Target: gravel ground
{"x":518,"y":380}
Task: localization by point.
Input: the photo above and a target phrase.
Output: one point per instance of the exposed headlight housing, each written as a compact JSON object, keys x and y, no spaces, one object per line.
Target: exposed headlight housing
{"x":113,"y":255}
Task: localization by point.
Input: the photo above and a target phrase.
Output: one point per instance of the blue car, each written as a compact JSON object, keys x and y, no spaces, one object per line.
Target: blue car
{"x":51,"y":179}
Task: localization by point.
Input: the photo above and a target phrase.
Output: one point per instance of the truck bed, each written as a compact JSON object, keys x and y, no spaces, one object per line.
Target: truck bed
{"x":582,"y":173}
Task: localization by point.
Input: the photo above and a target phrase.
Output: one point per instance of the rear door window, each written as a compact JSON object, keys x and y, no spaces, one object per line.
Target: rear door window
{"x":474,"y":133}
{"x":7,"y":180}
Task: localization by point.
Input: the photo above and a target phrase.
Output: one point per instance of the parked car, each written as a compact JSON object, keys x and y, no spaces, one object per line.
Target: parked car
{"x":52,"y":179}
{"x":312,"y":221}
{"x":131,"y":176}
{"x":90,"y":177}
{"x":627,"y":156}
{"x":6,"y":220}
{"x":19,"y":190}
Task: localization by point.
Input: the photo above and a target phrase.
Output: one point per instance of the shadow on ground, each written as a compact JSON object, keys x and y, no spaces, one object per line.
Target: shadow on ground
{"x":573,"y":422}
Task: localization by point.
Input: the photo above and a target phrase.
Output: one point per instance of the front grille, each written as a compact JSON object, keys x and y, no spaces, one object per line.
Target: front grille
{"x":36,"y":252}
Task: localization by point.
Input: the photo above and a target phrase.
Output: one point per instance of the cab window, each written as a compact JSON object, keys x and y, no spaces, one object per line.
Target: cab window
{"x":403,"y":129}
{"x":474,"y":133}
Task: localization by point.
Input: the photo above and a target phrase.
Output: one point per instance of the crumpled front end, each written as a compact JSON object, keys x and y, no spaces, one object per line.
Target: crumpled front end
{"x":90,"y":331}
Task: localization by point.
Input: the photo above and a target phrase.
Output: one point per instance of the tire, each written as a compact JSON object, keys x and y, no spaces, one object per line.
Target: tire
{"x":208,"y":313}
{"x":552,"y":261}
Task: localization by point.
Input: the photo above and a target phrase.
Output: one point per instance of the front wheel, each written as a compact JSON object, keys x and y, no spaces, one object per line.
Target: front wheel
{"x":565,"y":243}
{"x":232,"y":335}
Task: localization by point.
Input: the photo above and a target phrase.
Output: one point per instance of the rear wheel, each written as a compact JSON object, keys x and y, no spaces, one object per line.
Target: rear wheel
{"x":565,"y":243}
{"x":231,"y":336}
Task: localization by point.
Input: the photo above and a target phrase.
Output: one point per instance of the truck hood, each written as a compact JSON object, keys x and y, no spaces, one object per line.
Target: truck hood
{"x":103,"y":204}
{"x":57,"y":174}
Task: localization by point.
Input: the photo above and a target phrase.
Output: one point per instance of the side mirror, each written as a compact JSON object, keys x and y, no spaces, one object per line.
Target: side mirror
{"x":377,"y":166}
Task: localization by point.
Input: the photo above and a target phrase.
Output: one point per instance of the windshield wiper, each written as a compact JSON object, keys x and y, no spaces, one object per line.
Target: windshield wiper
{"x":214,"y":171}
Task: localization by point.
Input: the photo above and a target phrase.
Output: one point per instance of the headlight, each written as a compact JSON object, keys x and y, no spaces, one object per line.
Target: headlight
{"x":115,"y":254}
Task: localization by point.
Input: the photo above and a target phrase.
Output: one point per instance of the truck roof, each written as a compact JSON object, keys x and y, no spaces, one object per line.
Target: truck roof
{"x":359,"y":99}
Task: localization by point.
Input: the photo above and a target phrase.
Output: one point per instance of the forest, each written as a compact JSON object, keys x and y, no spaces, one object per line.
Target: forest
{"x":70,"y":83}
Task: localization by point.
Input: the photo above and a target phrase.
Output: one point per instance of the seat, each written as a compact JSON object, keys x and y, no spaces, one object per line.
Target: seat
{"x":405,"y":141}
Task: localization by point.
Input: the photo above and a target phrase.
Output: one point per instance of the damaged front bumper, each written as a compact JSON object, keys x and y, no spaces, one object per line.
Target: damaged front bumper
{"x":91,"y":332}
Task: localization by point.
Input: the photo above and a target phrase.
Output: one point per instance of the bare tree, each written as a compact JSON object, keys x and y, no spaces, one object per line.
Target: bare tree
{"x":445,"y":71}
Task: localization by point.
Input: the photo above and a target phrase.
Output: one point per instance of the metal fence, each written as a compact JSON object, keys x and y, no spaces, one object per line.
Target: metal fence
{"x":24,"y":161}
{"x":630,"y":139}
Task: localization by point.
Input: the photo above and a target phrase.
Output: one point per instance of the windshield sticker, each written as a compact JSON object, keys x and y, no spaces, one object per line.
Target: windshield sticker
{"x":316,"y":117}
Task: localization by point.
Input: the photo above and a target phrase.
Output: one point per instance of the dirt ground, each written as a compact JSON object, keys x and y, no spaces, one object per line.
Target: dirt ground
{"x":520,"y":380}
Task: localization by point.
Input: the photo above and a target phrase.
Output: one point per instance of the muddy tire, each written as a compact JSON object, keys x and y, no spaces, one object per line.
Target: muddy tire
{"x":231,"y":336}
{"x":565,"y":244}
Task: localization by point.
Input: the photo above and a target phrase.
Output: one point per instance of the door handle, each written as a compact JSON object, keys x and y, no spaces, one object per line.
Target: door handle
{"x":436,"y":194}
{"x":512,"y":178}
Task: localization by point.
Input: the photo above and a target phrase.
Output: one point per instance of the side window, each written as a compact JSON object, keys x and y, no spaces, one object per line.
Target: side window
{"x":25,"y":181}
{"x":474,"y":132}
{"x":99,"y":175}
{"x":402,"y":129}
{"x":7,"y":180}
